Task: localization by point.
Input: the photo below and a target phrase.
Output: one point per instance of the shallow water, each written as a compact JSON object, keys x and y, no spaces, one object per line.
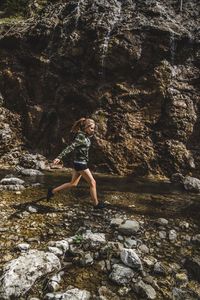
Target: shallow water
{"x":140,"y":199}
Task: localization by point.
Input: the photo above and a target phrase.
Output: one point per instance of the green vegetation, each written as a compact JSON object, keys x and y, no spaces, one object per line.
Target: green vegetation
{"x":78,"y":239}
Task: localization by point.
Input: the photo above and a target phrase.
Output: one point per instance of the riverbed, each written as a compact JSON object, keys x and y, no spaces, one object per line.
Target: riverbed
{"x":69,"y":213}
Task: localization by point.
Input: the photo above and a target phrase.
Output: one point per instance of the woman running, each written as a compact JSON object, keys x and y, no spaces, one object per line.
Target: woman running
{"x":82,"y":129}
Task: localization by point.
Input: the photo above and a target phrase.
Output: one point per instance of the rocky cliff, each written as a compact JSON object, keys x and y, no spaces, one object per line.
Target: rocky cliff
{"x":131,"y":65}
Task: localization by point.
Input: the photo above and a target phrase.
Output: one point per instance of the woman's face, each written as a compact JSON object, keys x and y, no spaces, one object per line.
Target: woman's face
{"x":90,"y":129}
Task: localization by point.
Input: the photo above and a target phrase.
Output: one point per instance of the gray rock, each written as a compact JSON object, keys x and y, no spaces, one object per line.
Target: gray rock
{"x":162,"y":234}
{"x":94,"y":240}
{"x":159,"y":268}
{"x":196,"y":239}
{"x":131,"y":259}
{"x":72,"y":294}
{"x":56,"y":251}
{"x":162,"y":222}
{"x":62,"y":244}
{"x":32,"y":209}
{"x":172,"y":235}
{"x":145,"y":290}
{"x":121,"y":274}
{"x":184,"y":225}
{"x":191,"y":184}
{"x":86,"y":259}
{"x":129,"y":227}
{"x":23,"y":246}
{"x":20,"y":274}
{"x":116,"y":222}
{"x":144,"y":249}
{"x":12,"y":181}
{"x":106,"y":294}
{"x":28,"y":172}
{"x":54,"y":283}
{"x":192,"y":265}
{"x":11,"y":187}
{"x":130,"y":243}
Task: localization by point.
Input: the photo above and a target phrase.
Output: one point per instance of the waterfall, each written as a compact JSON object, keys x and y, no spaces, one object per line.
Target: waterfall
{"x":115,"y":18}
{"x":172,"y":47}
{"x":78,"y":11}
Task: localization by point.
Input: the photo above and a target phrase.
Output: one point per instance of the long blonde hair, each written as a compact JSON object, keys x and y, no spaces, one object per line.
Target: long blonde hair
{"x":82,"y":124}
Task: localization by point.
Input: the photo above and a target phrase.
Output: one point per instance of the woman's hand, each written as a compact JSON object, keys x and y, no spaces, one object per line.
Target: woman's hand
{"x":56,"y":161}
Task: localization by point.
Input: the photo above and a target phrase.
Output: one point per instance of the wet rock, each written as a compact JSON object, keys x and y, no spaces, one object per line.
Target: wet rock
{"x":86,"y":259}
{"x":191,"y":184}
{"x":123,"y":291}
{"x":184,"y":225}
{"x":149,"y":261}
{"x":160,"y":268}
{"x":129,"y":227}
{"x":177,"y":178}
{"x":62,"y":244}
{"x":106,"y":294}
{"x":11,"y":187}
{"x":95,"y":240}
{"x":55,"y":251}
{"x":183,"y":294}
{"x":162,"y":222}
{"x":20,"y":274}
{"x":172,"y":235}
{"x":33,"y":161}
{"x":12,"y":181}
{"x":144,"y":249}
{"x":116,"y":222}
{"x":54,"y":283}
{"x":23,"y":247}
{"x":145,"y":290}
{"x":130,"y":242}
{"x":28,"y":172}
{"x":111,"y":249}
{"x":162,"y":234}
{"x":192,"y":265}
{"x":181,"y":279}
{"x":121,"y":274}
{"x":131,"y":259}
{"x":196,"y":239}
{"x":71,"y":294}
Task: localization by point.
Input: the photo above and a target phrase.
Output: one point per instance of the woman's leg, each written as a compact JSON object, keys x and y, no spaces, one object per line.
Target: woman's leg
{"x":74,"y":181}
{"x":87,"y":175}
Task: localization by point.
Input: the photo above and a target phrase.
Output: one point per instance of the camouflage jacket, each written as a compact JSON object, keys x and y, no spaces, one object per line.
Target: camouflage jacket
{"x":80,"y":146}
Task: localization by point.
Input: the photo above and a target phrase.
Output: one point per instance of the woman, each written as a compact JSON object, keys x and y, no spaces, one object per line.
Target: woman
{"x":83,"y":129}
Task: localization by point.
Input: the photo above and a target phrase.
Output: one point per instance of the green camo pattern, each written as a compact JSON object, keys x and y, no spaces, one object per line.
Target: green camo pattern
{"x":80,"y":146}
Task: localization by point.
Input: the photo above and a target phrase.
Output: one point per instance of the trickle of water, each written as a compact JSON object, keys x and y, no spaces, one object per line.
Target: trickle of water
{"x":78,"y":11}
{"x":172,"y":47}
{"x":115,"y":18}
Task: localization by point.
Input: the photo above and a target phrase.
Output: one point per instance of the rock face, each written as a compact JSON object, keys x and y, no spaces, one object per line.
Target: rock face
{"x":131,"y":65}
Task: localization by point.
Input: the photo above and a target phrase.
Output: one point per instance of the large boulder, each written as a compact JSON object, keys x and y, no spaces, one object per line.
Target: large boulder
{"x":20,"y":274}
{"x":191,"y":184}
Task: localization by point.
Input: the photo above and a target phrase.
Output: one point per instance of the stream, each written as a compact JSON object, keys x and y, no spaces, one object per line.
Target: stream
{"x":69,"y":213}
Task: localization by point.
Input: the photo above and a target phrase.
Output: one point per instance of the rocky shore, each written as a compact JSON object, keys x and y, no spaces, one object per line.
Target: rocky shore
{"x":141,"y":246}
